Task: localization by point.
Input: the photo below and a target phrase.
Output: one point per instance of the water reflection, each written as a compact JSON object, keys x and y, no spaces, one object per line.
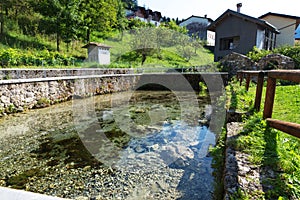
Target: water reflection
{"x":152,"y":141}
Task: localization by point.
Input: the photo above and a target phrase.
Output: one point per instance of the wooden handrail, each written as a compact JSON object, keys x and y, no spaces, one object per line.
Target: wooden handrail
{"x":273,"y":75}
{"x":260,"y":82}
{"x":287,"y":127}
{"x":289,"y":75}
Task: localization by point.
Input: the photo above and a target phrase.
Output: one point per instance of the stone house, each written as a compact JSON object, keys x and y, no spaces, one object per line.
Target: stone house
{"x":98,"y":53}
{"x":237,"y":32}
{"x":287,"y":26}
{"x":197,"y":26}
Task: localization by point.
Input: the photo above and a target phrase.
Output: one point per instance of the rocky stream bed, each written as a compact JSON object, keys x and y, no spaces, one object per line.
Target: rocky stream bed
{"x":146,"y":145}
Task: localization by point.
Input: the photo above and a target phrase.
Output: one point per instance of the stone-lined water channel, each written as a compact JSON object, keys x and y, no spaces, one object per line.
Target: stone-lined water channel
{"x":140,"y":145}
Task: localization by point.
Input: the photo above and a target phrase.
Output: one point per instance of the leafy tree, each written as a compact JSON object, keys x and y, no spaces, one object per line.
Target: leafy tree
{"x":197,"y":42}
{"x":130,"y":4}
{"x":144,"y":42}
{"x":177,"y":21}
{"x":98,"y":15}
{"x":173,"y":26}
{"x":60,"y":17}
{"x":69,"y":21}
{"x":12,"y":9}
{"x":122,"y":22}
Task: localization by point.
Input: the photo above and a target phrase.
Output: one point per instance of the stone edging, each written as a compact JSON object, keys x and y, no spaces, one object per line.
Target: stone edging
{"x":239,"y":173}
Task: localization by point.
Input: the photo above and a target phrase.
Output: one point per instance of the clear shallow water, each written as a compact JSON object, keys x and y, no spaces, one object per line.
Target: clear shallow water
{"x":147,"y":139}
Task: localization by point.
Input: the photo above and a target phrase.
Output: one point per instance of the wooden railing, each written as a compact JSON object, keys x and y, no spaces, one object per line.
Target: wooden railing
{"x":260,"y":83}
{"x":273,"y":75}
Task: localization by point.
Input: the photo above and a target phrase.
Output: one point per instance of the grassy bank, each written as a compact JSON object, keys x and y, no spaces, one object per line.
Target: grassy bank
{"x":272,"y":150}
{"x":24,"y":51}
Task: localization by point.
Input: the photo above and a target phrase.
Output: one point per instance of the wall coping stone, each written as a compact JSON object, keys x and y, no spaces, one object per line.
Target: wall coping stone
{"x":30,"y":80}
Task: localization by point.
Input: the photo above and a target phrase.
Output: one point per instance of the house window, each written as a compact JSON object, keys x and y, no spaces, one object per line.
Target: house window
{"x":229,"y":43}
{"x":269,"y":40}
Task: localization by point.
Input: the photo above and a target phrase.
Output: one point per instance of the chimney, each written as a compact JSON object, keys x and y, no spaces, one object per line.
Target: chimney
{"x":238,"y":6}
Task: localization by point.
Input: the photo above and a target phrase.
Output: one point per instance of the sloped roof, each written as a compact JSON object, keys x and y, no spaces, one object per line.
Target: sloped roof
{"x":229,"y":12}
{"x":280,"y":15}
{"x":96,"y":44}
{"x":209,"y":19}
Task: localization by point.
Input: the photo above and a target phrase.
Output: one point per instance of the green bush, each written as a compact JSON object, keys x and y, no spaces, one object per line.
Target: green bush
{"x":256,"y":54}
{"x":290,"y":51}
{"x":13,"y":58}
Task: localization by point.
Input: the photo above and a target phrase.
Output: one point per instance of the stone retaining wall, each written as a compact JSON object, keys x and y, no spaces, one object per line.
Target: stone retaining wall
{"x":7,"y":74}
{"x":27,"y":89}
{"x":21,"y":94}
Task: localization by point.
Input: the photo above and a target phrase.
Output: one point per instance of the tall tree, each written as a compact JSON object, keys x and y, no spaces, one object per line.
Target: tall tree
{"x":122,"y":22}
{"x":98,"y":15}
{"x":59,"y":17}
{"x":9,"y":8}
{"x":70,"y":19}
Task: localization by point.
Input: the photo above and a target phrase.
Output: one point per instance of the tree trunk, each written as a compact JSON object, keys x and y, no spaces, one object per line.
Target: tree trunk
{"x":57,"y":41}
{"x":144,"y":57}
{"x":88,"y":35}
{"x":68,"y":46}
{"x":57,"y":35}
{"x":1,"y":23}
{"x":1,"y":27}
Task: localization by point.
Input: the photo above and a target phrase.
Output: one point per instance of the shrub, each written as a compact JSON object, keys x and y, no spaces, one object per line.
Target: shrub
{"x":290,"y":51}
{"x":13,"y":57}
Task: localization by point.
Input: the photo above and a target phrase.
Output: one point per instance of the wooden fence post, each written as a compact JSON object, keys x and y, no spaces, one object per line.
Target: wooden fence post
{"x":248,"y":78}
{"x":270,"y":95}
{"x":259,"y":89}
{"x":241,"y":74}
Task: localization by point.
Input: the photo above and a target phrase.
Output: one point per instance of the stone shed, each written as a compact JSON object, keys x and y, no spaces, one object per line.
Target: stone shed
{"x":98,"y":53}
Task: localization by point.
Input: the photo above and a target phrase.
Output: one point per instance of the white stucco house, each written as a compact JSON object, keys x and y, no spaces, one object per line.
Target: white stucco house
{"x":287,"y":26}
{"x":198,"y":26}
{"x":98,"y":53}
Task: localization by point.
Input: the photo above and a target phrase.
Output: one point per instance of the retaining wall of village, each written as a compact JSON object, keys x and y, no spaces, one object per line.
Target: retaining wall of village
{"x":8,"y":74}
{"x":27,"y":89}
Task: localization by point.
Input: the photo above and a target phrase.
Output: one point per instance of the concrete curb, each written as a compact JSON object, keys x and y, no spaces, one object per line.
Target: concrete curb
{"x":13,"y":194}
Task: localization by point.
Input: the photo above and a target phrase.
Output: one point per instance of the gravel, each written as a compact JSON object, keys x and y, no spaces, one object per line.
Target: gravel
{"x":34,"y":156}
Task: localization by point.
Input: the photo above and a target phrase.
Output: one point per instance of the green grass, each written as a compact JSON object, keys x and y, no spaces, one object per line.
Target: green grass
{"x":17,"y":40}
{"x":267,"y":147}
{"x":122,"y":55}
{"x":218,"y":154}
{"x":238,"y":98}
{"x":287,"y":103}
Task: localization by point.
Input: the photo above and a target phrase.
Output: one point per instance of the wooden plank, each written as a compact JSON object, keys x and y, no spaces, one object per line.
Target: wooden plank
{"x":270,"y":96}
{"x":248,"y":79}
{"x":241,"y":79}
{"x":254,"y":73}
{"x":290,"y":75}
{"x":259,"y":89}
{"x":287,"y":127}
